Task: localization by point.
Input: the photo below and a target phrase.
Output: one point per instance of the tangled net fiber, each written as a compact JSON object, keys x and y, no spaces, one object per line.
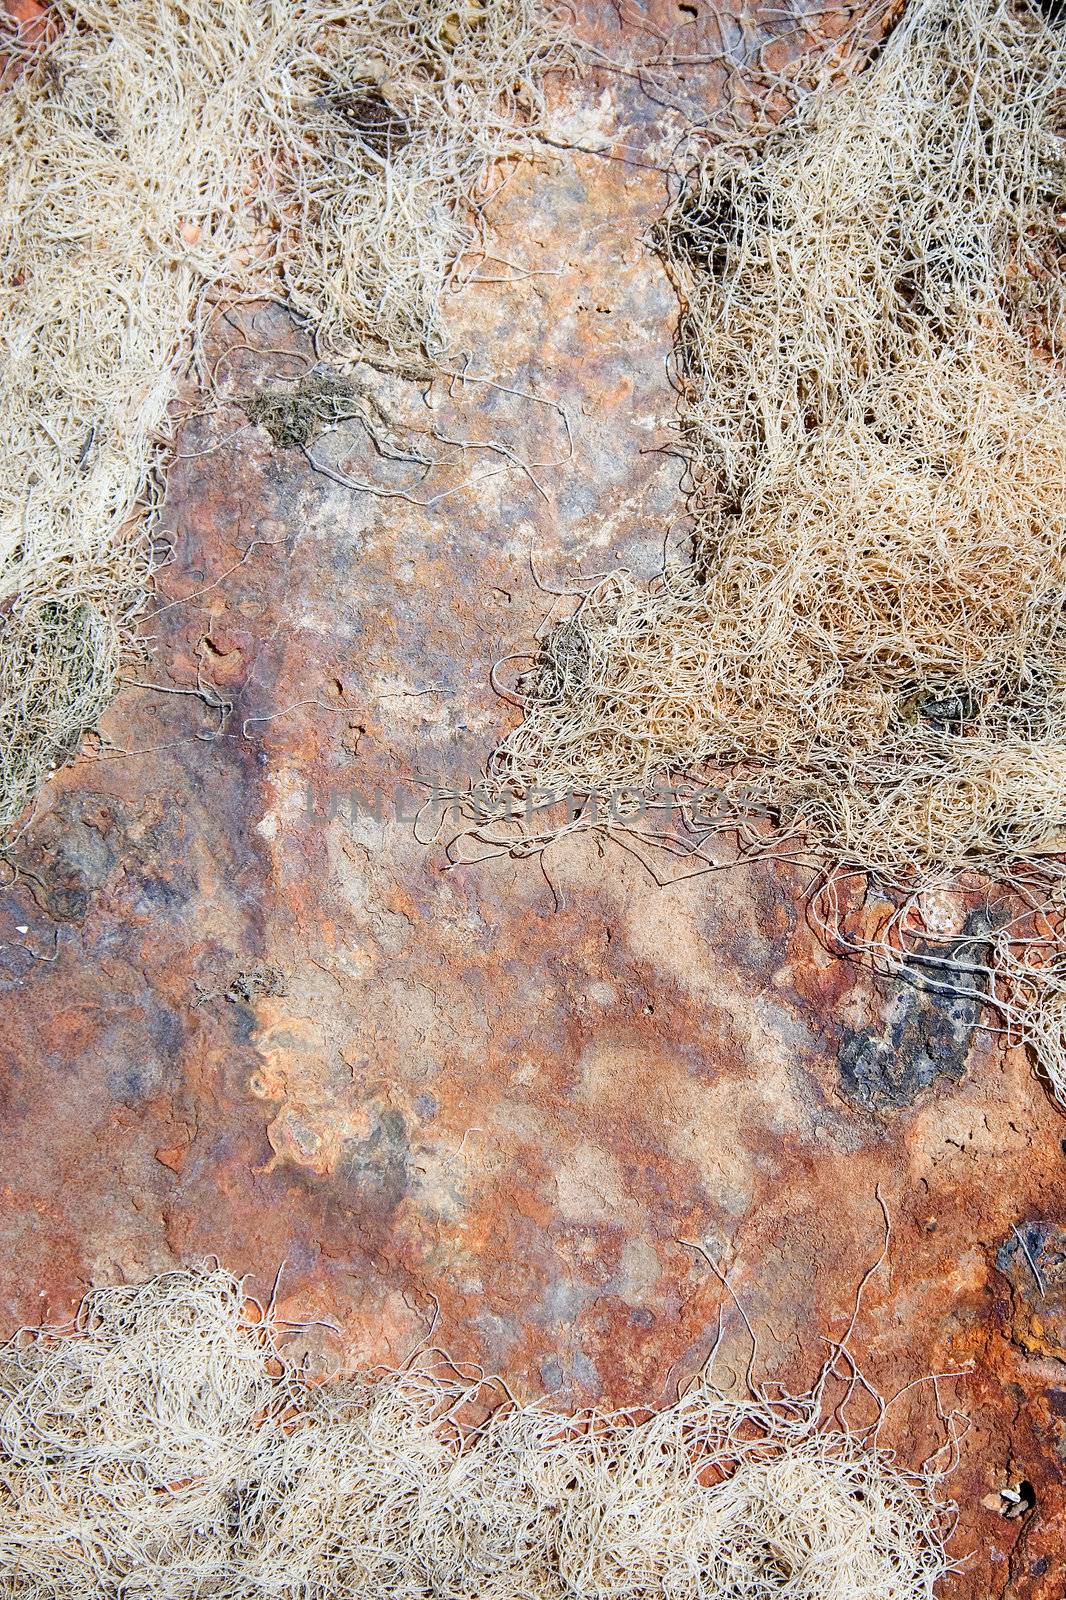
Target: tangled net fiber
{"x":869,"y":645}
{"x":158,"y":159}
{"x":162,"y":1445}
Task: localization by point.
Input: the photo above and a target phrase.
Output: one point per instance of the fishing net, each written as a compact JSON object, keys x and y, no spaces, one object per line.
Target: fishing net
{"x":868,"y":646}
{"x":158,"y":160}
{"x":162,"y":1445}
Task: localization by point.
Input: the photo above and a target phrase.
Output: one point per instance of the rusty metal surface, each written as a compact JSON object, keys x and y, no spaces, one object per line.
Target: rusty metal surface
{"x":242,"y":1022}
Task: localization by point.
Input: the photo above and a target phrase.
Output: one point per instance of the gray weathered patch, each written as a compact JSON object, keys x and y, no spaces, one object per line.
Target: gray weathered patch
{"x":1033,"y":1260}
{"x":927,"y":1035}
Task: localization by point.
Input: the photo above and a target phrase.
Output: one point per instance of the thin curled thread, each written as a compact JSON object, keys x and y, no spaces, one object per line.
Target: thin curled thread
{"x":160,"y":162}
{"x":873,"y":415}
{"x":617,"y":605}
{"x":165,"y":1434}
{"x":1021,"y":979}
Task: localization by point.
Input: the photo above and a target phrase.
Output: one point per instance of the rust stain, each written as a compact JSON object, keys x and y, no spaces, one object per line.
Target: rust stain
{"x":245,"y":1020}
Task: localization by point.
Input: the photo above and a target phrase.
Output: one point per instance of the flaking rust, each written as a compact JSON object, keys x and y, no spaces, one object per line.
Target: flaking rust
{"x":253,"y":1015}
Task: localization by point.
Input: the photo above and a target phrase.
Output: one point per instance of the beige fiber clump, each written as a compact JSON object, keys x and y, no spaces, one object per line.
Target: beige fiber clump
{"x":157,"y":160}
{"x":871,"y":635}
{"x":865,"y":659}
{"x":162,"y":1446}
